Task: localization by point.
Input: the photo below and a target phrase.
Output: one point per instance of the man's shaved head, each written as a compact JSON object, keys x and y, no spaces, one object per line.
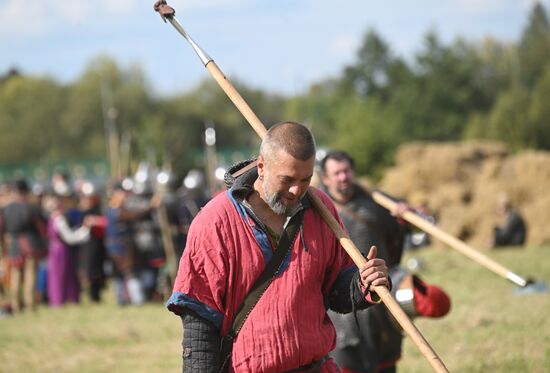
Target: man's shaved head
{"x":294,"y":138}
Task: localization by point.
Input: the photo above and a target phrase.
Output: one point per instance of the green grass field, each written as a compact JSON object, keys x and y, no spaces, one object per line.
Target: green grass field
{"x":489,"y":329}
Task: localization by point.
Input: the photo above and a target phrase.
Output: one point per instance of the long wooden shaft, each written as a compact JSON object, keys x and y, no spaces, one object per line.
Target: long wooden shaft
{"x":236,"y":98}
{"x":344,"y":239}
{"x":450,"y":240}
{"x":167,"y":241}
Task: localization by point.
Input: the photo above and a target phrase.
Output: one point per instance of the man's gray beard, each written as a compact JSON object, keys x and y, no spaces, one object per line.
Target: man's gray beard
{"x":274,"y":203}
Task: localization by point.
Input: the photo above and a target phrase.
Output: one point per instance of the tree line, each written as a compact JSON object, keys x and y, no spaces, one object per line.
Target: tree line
{"x":485,"y":89}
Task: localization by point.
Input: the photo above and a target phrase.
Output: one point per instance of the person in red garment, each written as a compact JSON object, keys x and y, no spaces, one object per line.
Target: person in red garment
{"x":230,"y":243}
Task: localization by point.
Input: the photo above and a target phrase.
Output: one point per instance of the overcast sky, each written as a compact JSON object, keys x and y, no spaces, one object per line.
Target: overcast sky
{"x":277,"y":45}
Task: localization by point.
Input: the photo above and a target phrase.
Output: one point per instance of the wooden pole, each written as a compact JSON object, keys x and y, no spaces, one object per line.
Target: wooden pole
{"x":236,"y":98}
{"x":109,"y":120}
{"x":452,"y":241}
{"x":167,"y":241}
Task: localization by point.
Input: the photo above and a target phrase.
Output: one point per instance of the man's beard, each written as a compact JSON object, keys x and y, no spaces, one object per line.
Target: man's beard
{"x":347,"y":191}
{"x":274,"y":202}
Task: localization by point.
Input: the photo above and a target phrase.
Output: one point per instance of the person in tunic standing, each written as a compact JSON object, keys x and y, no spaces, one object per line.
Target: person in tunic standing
{"x":370,"y":341}
{"x":230,"y":243}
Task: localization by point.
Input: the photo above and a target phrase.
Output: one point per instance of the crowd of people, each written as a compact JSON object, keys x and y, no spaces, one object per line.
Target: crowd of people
{"x":67,"y":240}
{"x":260,"y":275}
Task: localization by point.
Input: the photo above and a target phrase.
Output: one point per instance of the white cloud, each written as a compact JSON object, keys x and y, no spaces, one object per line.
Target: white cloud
{"x":478,"y":6}
{"x":343,"y":45}
{"x":489,"y":6}
{"x":72,"y":12}
{"x":180,"y":5}
{"x":22,"y":19}
{"x":120,"y":7}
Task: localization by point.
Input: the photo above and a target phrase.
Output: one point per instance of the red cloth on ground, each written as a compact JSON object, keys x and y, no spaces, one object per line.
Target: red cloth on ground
{"x":430,"y":300}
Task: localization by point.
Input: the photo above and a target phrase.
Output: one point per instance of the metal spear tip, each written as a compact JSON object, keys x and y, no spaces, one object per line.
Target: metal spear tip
{"x":532,"y":287}
{"x":164,"y":10}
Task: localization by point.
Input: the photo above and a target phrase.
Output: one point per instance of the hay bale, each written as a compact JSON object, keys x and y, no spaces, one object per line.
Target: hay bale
{"x":461,"y":182}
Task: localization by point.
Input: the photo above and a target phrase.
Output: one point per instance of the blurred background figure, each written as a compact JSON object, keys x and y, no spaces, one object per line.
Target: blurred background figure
{"x":38,"y":197}
{"x":191,"y":197}
{"x":22,"y":232}
{"x":5,"y":307}
{"x":172,"y":229}
{"x":118,"y":240}
{"x":193,"y":191}
{"x":127,"y":221}
{"x":149,"y":256}
{"x":513,"y":232}
{"x":63,"y":283}
{"x":92,"y":253}
{"x":369,"y":341}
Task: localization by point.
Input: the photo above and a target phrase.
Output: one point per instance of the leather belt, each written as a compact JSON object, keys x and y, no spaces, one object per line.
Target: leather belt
{"x":314,"y":367}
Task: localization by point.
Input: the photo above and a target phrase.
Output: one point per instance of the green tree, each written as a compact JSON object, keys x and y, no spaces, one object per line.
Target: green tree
{"x":369,"y":74}
{"x":377,"y":71}
{"x":534,"y":46}
{"x":508,"y":121}
{"x":370,"y":131}
{"x":496,"y":71}
{"x":539,"y":112}
{"x":435,"y":104}
{"x":30,"y":112}
{"x":318,"y":109}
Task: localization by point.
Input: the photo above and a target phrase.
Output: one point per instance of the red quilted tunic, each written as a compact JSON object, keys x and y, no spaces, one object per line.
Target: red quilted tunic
{"x":226,"y":252}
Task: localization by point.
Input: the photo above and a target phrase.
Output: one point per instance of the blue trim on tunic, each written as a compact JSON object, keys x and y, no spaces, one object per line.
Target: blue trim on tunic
{"x":181,"y":300}
{"x":261,"y":237}
{"x":265,"y":245}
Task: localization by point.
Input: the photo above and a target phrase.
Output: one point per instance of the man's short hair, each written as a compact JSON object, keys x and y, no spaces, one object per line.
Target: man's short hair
{"x":337,"y":155}
{"x":294,"y":138}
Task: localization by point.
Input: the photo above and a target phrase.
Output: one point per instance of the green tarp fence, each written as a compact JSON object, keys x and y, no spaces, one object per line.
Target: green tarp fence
{"x":43,"y":170}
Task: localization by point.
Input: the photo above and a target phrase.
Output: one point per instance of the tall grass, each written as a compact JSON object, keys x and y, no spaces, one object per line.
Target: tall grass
{"x":489,"y":329}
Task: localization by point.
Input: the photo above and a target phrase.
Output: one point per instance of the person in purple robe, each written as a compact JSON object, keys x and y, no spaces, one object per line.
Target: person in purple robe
{"x":63,"y":283}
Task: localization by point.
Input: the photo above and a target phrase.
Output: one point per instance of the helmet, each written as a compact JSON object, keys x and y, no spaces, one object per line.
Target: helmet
{"x":166,"y":180}
{"x":143,"y":179}
{"x":194,"y":179}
